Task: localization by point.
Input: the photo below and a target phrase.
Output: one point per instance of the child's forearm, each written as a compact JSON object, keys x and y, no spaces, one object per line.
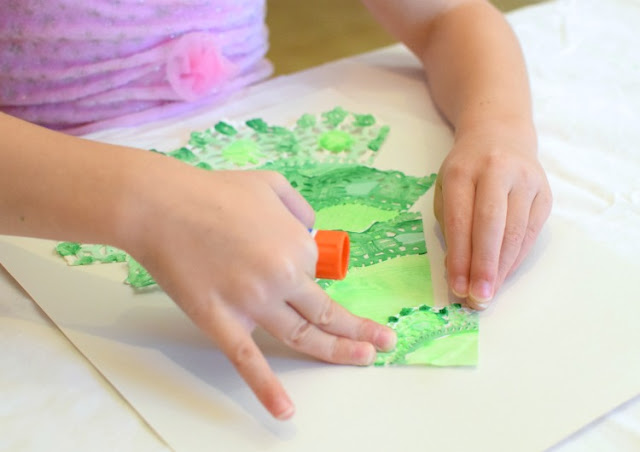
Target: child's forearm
{"x":476,"y":69}
{"x":60,"y":187}
{"x":472,"y":59}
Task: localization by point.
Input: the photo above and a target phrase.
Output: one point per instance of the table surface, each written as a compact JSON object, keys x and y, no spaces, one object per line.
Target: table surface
{"x":587,"y":98}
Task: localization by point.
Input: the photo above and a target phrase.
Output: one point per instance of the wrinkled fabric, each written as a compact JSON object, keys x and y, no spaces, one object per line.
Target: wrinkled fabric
{"x":83,"y":66}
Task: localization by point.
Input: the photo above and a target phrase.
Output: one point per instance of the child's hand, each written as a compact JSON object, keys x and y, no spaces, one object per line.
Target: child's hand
{"x":491,"y":200}
{"x":233,"y":250}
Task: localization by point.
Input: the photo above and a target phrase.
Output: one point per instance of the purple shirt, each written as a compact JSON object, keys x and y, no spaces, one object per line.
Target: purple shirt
{"x":81,"y":66}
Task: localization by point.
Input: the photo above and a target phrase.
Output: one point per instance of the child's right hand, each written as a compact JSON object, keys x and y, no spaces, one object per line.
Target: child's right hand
{"x":232,"y":249}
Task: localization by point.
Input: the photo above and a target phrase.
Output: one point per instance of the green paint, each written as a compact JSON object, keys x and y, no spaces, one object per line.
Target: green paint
{"x":329,"y":184}
{"x":80,"y":254}
{"x":201,"y":139}
{"x":306,"y":120}
{"x":286,"y":142}
{"x":459,"y":349}
{"x":409,"y":238}
{"x":446,"y":336}
{"x":258,"y":125}
{"x":298,"y":145}
{"x":336,"y":141}
{"x":138,"y":276}
{"x":376,"y":143}
{"x":184,"y":154}
{"x":204,"y":166}
{"x":405,"y":311}
{"x":360,"y":188}
{"x":84,"y":260}
{"x":68,"y":248}
{"x":242,"y":152}
{"x":334,"y":117}
{"x":385,"y":240}
{"x":382,"y":290}
{"x":225,"y":129}
{"x":279,"y":130}
{"x":364,"y":120}
{"x":351,"y":217}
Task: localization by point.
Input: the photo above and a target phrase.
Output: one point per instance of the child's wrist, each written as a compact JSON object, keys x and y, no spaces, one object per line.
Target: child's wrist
{"x":497,"y":129}
{"x":133,"y":209}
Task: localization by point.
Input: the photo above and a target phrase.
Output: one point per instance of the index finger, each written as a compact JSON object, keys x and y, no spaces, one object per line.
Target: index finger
{"x":458,"y":195}
{"x":236,"y":343}
{"x":489,"y":220}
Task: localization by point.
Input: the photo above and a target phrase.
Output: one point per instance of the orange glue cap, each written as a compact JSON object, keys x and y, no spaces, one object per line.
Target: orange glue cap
{"x":333,"y":254}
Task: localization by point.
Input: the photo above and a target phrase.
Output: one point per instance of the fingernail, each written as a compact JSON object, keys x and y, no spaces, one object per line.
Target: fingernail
{"x":481,"y":292}
{"x":386,"y":340}
{"x":480,"y":306}
{"x":460,"y":287}
{"x":285,"y":410}
{"x":367,"y":358}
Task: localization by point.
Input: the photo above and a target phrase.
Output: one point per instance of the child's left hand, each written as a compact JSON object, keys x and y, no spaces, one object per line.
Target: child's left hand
{"x":491,"y":199}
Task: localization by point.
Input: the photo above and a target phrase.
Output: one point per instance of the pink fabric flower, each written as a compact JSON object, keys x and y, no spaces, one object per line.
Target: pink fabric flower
{"x":195,"y":66}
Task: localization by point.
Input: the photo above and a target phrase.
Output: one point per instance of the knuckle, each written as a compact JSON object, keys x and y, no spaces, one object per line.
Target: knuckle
{"x":198,"y":308}
{"x":299,"y":335}
{"x":243,"y":355}
{"x":366,"y":330}
{"x":327,"y":312}
{"x":496,"y":160}
{"x":547,"y":201}
{"x":458,"y":263}
{"x":503,"y":269}
{"x":290,"y":264}
{"x":333,"y":350}
{"x":488,"y":211}
{"x":456,"y":267}
{"x":484,"y":266}
{"x":530,"y":233}
{"x":286,"y":270}
{"x":456,"y":222}
{"x":514,"y":235}
{"x":487,"y":259}
{"x":523,"y":177}
{"x":456,"y":172}
{"x":251,"y":292}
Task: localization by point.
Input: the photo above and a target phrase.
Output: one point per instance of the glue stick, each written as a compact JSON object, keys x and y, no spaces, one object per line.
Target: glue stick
{"x":333,"y":253}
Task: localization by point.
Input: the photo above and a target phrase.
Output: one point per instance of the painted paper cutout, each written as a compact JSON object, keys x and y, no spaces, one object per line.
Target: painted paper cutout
{"x":78,"y":254}
{"x":422,"y":327}
{"x":327,"y":158}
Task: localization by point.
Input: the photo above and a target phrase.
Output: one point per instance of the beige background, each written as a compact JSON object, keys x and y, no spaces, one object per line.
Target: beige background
{"x":307,"y":33}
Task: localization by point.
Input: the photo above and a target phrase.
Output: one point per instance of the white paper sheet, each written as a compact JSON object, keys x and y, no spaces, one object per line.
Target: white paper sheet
{"x":529,"y":389}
